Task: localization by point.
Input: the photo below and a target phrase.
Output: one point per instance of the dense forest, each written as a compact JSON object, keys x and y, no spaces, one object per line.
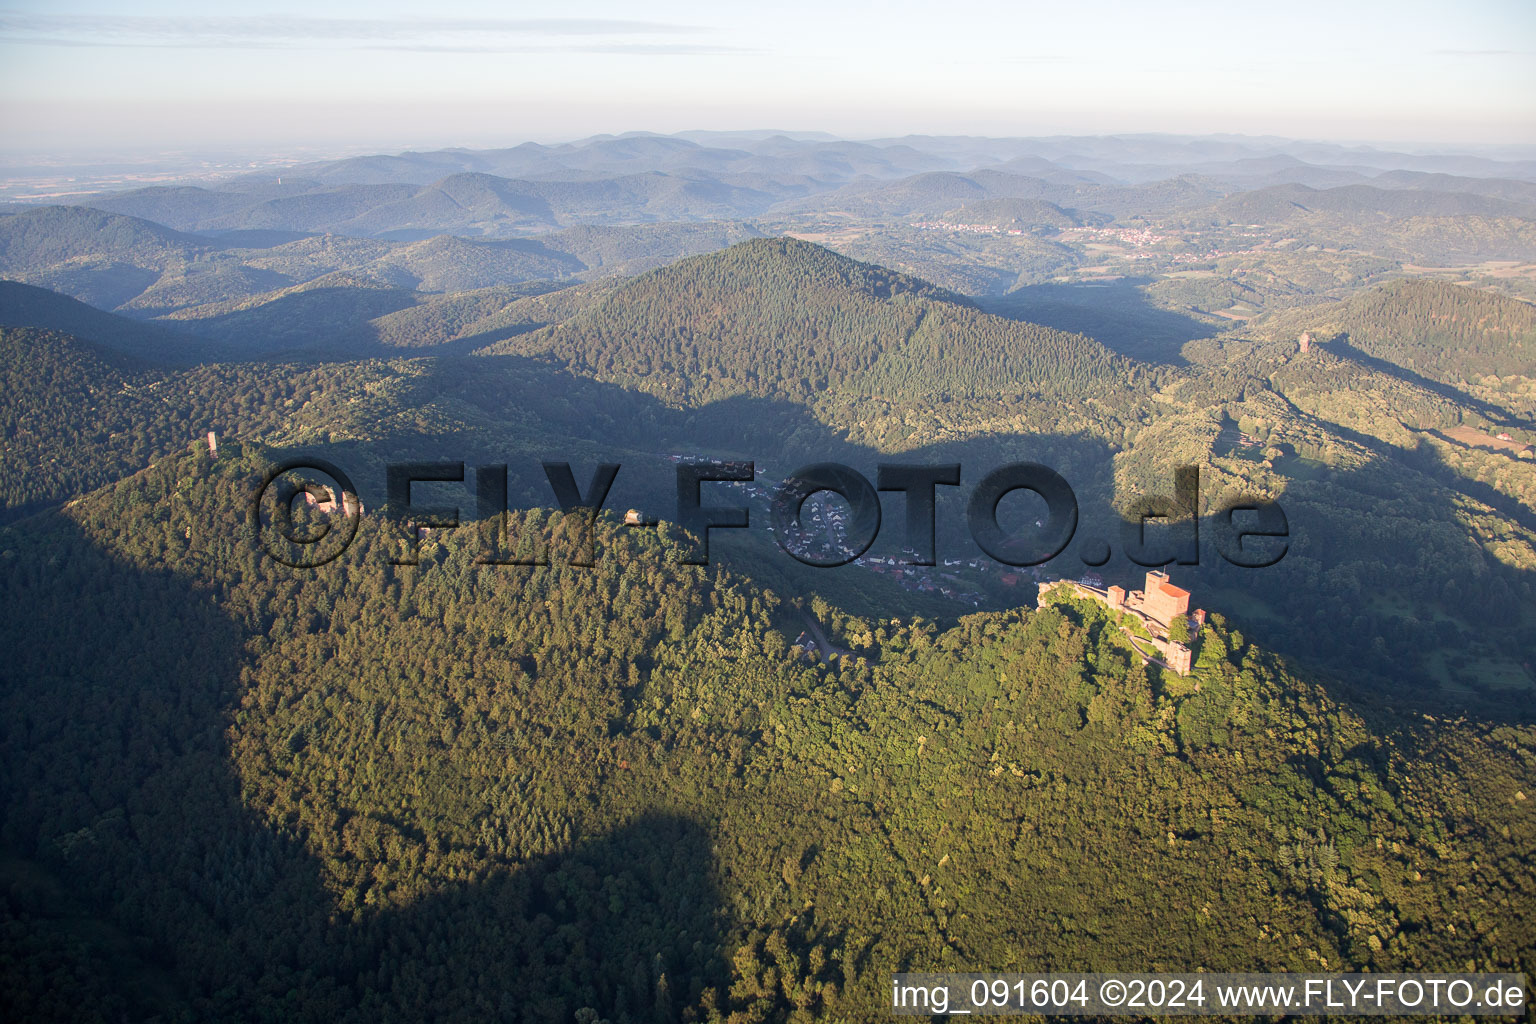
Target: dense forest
{"x":420,"y":782}
{"x":824,"y":356}
{"x":377,"y":792}
{"x":755,"y":319}
{"x":1447,"y":333}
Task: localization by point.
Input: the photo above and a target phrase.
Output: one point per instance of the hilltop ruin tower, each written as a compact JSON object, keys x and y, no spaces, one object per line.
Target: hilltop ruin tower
{"x":1304,"y":341}
{"x":1177,"y":656}
{"x":213,"y":445}
{"x":1162,"y":600}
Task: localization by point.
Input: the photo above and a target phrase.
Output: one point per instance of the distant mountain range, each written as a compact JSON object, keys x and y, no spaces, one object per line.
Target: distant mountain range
{"x":534,"y":189}
{"x":1118,"y":158}
{"x":125,"y":263}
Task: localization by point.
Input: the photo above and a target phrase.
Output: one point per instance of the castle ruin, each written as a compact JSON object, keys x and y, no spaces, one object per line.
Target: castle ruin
{"x":1156,"y":606}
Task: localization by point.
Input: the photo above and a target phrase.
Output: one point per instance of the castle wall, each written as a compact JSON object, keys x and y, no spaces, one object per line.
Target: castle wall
{"x":1175,"y":655}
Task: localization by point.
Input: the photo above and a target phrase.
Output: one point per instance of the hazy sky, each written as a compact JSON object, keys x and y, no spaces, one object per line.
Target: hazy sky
{"x":337,"y":75}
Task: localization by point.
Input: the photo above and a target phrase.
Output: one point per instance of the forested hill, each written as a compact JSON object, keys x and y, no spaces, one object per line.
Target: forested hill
{"x":75,"y":416}
{"x":780,"y":317}
{"x":22,"y":305}
{"x":1441,"y":330}
{"x":230,"y":791}
{"x":1290,"y":201}
{"x":59,"y":233}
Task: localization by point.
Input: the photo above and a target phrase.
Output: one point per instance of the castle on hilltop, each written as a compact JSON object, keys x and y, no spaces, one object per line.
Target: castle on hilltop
{"x":1157,"y":607}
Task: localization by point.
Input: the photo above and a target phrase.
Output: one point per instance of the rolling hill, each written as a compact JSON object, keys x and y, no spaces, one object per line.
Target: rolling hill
{"x":1443,"y":331}
{"x":60,"y":234}
{"x":1282,"y":203}
{"x":465,"y":203}
{"x":1016,"y":213}
{"x":781,"y":317}
{"x":25,"y":306}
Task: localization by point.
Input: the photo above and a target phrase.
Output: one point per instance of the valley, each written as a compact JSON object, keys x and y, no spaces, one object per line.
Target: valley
{"x":429,"y":787}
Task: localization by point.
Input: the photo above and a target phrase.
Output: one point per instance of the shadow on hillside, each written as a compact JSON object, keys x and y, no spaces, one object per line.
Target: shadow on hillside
{"x":254,"y":238}
{"x":1426,"y":459}
{"x":1117,"y":314}
{"x":121,"y":685}
{"x":1342,"y":346}
{"x":464,"y":346}
{"x":1346,"y":602}
{"x":316,"y":322}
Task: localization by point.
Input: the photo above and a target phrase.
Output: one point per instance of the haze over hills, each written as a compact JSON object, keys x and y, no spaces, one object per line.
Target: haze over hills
{"x":417,"y":779}
{"x":1129,"y":158}
{"x":1278,"y":202}
{"x":706,"y":176}
{"x":143,"y":270}
{"x":1282,"y":223}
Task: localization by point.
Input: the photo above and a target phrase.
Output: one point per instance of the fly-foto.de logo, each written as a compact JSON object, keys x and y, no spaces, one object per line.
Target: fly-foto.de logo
{"x":1248,"y":532}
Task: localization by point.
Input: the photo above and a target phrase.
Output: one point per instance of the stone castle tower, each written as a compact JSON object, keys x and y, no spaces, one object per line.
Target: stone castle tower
{"x":1162,"y":600}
